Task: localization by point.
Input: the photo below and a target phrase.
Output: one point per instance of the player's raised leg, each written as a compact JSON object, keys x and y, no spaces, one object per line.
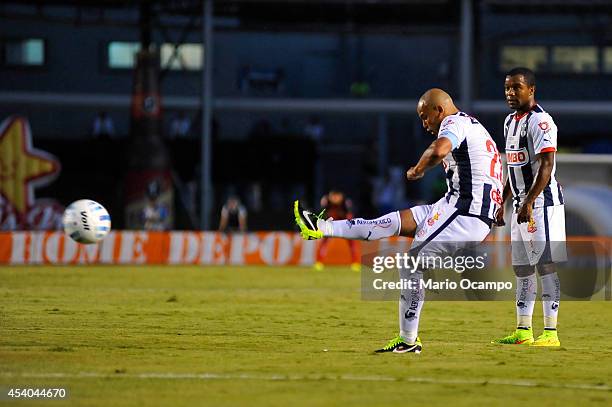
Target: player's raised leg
{"x":313,"y":226}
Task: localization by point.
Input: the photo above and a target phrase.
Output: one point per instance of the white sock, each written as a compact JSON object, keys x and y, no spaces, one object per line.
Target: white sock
{"x":410,"y":306}
{"x":363,"y":229}
{"x":551,"y":293}
{"x":526,"y":290}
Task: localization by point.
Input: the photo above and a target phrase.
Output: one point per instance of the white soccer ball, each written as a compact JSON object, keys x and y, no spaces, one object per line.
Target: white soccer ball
{"x":86,"y":221}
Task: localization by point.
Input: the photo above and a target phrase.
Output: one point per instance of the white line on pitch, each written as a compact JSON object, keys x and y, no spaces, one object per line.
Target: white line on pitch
{"x":282,"y":377}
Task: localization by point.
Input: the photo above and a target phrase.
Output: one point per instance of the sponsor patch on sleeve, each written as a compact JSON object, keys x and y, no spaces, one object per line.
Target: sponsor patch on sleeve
{"x":544,"y":126}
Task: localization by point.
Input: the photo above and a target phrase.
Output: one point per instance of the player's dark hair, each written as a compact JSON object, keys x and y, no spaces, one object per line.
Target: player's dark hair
{"x":527,"y":73}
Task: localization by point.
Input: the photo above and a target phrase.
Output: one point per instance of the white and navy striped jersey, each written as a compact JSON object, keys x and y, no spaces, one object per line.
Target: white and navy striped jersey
{"x":528,"y":135}
{"x":473,"y":167}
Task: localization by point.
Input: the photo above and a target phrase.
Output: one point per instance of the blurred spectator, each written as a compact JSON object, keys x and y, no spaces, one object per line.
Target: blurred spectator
{"x":255,"y":197}
{"x":286,"y":127}
{"x":338,"y":207}
{"x":154,"y":214}
{"x":233,"y":216}
{"x":314,"y":129}
{"x":261,"y":128}
{"x":103,"y":126}
{"x":389,"y":193}
{"x":180,"y":126}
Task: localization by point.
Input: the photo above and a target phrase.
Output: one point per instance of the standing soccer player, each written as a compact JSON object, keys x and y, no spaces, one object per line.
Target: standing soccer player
{"x":538,"y":217}
{"x":465,"y":214}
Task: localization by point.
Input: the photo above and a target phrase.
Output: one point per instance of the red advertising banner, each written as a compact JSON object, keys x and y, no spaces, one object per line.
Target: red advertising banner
{"x":211,"y":248}
{"x":140,"y":247}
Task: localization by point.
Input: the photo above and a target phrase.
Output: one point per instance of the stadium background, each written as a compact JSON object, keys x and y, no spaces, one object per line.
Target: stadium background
{"x":252,"y":76}
{"x":302,"y":59}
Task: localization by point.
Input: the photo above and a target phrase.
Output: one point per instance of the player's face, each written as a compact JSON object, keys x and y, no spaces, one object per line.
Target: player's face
{"x":431,"y":118}
{"x":518,"y":94}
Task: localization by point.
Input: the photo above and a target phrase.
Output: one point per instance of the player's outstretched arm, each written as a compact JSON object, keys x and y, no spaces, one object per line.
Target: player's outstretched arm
{"x":547,"y":161}
{"x":433,"y":156}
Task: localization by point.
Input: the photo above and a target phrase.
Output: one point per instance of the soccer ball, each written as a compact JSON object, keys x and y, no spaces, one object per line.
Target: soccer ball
{"x":86,"y":221}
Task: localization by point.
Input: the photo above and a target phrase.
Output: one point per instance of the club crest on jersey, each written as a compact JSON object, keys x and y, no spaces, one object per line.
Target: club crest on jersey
{"x":524,"y":130}
{"x":517,"y":158}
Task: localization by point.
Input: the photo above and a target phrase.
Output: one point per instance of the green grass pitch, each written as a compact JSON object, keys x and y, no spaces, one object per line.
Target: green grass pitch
{"x":228,"y":336}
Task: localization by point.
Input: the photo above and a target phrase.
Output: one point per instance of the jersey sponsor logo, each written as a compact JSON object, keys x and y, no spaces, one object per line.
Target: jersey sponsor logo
{"x":517,"y":158}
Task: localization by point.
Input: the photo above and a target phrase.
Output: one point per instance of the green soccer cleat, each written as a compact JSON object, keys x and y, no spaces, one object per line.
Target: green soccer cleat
{"x":548,"y":338}
{"x":307,"y":222}
{"x":518,"y":337}
{"x":400,"y":345}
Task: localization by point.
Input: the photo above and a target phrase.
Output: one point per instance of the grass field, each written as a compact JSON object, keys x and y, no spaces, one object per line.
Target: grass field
{"x":277,"y":336}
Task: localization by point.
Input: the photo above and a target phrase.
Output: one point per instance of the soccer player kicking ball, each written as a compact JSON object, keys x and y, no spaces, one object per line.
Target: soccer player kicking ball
{"x":465,"y":214}
{"x":538,"y":219}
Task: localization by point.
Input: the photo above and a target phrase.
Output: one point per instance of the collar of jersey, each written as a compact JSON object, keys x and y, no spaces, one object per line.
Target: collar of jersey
{"x":518,"y":117}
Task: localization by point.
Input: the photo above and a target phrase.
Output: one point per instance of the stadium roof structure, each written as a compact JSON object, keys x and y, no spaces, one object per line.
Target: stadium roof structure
{"x":391,"y":16}
{"x":274,"y":15}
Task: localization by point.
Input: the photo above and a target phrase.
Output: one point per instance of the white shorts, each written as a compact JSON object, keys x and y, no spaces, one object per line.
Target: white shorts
{"x":441,"y":223}
{"x":540,"y":241}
